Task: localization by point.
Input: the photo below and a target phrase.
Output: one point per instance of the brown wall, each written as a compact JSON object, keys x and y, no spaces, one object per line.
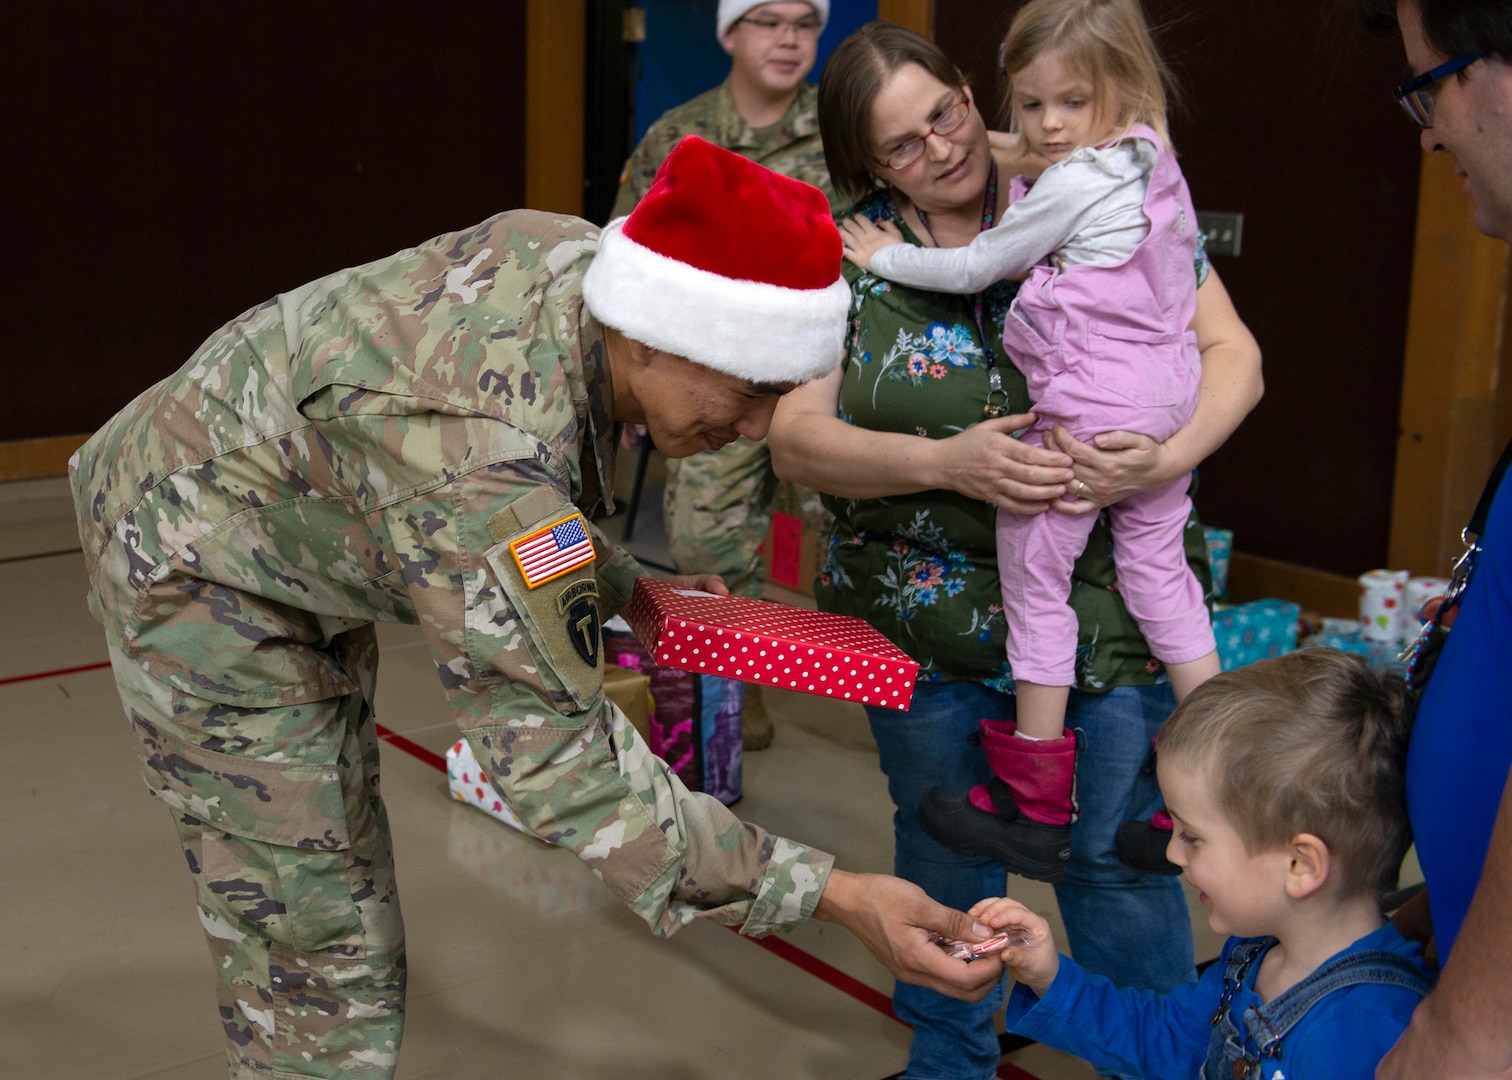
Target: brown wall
{"x":1288,"y":120}
{"x":174,"y":163}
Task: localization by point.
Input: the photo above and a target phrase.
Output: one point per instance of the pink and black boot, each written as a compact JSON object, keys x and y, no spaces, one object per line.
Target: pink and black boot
{"x":1022,"y":817}
{"x":1142,"y":845}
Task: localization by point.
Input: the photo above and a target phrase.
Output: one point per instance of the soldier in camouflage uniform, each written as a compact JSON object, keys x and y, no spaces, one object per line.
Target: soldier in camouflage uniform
{"x":718,"y":506}
{"x":384,"y":444}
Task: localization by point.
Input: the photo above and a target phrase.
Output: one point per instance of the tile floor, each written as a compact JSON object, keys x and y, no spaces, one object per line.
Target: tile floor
{"x":521,"y":963}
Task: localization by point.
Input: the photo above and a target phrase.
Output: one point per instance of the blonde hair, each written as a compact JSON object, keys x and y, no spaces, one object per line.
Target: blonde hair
{"x":1106,"y":42}
{"x":1311,"y":742}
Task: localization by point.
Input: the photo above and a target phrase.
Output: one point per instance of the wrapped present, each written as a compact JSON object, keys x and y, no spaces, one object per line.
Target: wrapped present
{"x":468,"y":783}
{"x":693,"y":723}
{"x":1220,"y":545}
{"x":630,"y":690}
{"x":694,"y":720}
{"x":773,"y":644}
{"x":1258,"y":630}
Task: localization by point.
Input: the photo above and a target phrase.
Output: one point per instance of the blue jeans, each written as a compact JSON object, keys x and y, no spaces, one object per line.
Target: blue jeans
{"x":1132,"y":927}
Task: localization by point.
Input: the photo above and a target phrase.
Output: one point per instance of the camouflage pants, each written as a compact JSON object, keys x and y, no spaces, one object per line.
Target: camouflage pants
{"x":288,"y":843}
{"x":718,"y":507}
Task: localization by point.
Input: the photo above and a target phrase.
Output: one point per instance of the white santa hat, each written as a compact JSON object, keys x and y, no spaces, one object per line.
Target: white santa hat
{"x":727,"y":264}
{"x":730,"y":10}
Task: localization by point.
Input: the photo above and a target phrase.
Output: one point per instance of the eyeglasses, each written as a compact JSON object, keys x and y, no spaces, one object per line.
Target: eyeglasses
{"x":910,"y":151}
{"x":1416,"y":94}
{"x":772,"y":27}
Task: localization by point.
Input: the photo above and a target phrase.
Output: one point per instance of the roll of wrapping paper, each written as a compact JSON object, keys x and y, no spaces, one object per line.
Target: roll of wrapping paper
{"x":1383,"y":605}
{"x":1419,"y":591}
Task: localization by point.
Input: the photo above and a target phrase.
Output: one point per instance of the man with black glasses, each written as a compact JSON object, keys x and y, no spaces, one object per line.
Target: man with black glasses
{"x":1460,"y":95}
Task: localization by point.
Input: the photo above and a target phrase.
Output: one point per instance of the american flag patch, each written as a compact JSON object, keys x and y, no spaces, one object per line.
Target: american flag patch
{"x":548,"y":553}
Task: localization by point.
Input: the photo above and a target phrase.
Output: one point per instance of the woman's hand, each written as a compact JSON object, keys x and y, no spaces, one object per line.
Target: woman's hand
{"x":862,"y":239}
{"x":985,"y":462}
{"x":1113,"y":466}
{"x":1034,"y":962}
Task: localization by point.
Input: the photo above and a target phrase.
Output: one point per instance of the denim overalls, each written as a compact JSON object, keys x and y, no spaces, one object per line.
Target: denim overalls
{"x":1240,"y":1055}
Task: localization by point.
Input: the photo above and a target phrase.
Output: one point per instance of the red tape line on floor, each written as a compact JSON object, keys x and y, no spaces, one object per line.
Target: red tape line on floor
{"x":415,"y":750}
{"x":52,"y":674}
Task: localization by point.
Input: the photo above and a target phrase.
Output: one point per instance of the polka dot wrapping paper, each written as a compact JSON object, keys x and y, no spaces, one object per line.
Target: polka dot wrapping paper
{"x":758,"y":641}
{"x":470,"y":784}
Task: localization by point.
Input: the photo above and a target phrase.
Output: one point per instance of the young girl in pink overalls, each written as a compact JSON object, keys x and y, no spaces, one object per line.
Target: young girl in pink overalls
{"x":1105,"y":241}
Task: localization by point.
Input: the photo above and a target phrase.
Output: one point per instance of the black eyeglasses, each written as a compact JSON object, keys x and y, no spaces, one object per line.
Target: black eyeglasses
{"x":1416,"y":94}
{"x":771,"y":26}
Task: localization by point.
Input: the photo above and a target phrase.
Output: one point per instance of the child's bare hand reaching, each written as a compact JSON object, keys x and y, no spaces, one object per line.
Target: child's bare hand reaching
{"x":862,"y":239}
{"x":1033,"y":961}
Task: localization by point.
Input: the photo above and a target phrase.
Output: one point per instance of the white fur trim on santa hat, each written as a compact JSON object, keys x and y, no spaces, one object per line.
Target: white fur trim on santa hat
{"x":754,"y":330}
{"x":730,"y":10}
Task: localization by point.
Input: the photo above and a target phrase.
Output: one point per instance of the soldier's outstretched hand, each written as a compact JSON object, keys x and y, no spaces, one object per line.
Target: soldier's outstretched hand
{"x":896,"y":921}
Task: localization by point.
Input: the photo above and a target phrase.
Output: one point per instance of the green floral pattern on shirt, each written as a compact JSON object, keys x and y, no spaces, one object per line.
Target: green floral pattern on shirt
{"x":922,"y":568}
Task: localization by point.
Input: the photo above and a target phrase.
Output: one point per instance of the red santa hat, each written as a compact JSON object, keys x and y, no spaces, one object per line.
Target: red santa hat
{"x":728,"y":264}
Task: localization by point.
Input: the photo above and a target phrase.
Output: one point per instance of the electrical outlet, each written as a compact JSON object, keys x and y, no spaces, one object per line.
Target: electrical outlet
{"x":1223,"y":230}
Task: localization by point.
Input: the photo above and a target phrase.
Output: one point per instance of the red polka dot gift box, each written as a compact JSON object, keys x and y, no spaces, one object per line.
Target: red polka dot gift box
{"x":758,"y":641}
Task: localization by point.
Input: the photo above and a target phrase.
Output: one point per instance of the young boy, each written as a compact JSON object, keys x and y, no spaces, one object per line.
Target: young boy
{"x":1285,"y":781}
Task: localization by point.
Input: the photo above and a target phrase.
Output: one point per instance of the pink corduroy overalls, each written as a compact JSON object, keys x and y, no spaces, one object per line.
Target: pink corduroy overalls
{"x":1108,"y":348}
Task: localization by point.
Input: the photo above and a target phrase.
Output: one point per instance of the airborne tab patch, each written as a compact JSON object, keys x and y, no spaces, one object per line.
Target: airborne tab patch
{"x":550,"y":552}
{"x":578,"y":604}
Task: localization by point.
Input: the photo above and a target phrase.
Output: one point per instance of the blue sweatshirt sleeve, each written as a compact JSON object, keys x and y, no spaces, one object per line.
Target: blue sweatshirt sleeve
{"x":1128,"y":1031}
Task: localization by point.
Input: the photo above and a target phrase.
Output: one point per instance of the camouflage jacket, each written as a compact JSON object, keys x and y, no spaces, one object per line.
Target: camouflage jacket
{"x":790,"y":146}
{"x":366,"y":448}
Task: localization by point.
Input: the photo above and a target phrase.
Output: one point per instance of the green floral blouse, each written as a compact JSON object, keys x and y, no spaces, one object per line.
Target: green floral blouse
{"x":922,"y":568}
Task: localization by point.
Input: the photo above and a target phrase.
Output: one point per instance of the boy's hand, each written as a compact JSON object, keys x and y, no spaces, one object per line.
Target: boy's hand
{"x":1034,"y":962}
{"x":862,"y":239}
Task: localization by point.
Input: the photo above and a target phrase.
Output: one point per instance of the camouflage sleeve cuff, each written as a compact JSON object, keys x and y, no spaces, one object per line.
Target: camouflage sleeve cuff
{"x":790,"y":890}
{"x":787,"y":893}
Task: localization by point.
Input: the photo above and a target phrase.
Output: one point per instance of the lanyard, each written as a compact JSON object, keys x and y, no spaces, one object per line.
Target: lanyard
{"x":1423,"y":653}
{"x":997,"y":397}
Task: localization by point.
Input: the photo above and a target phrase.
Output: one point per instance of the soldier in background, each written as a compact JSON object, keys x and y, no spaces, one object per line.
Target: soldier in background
{"x":423,"y":439}
{"x":718,"y":506}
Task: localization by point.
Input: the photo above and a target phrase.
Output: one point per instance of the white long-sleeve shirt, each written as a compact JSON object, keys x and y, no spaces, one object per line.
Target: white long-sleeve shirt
{"x":1085,"y":209}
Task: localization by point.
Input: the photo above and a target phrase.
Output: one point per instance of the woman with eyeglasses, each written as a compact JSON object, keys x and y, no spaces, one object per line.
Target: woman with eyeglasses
{"x":912,"y":440}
